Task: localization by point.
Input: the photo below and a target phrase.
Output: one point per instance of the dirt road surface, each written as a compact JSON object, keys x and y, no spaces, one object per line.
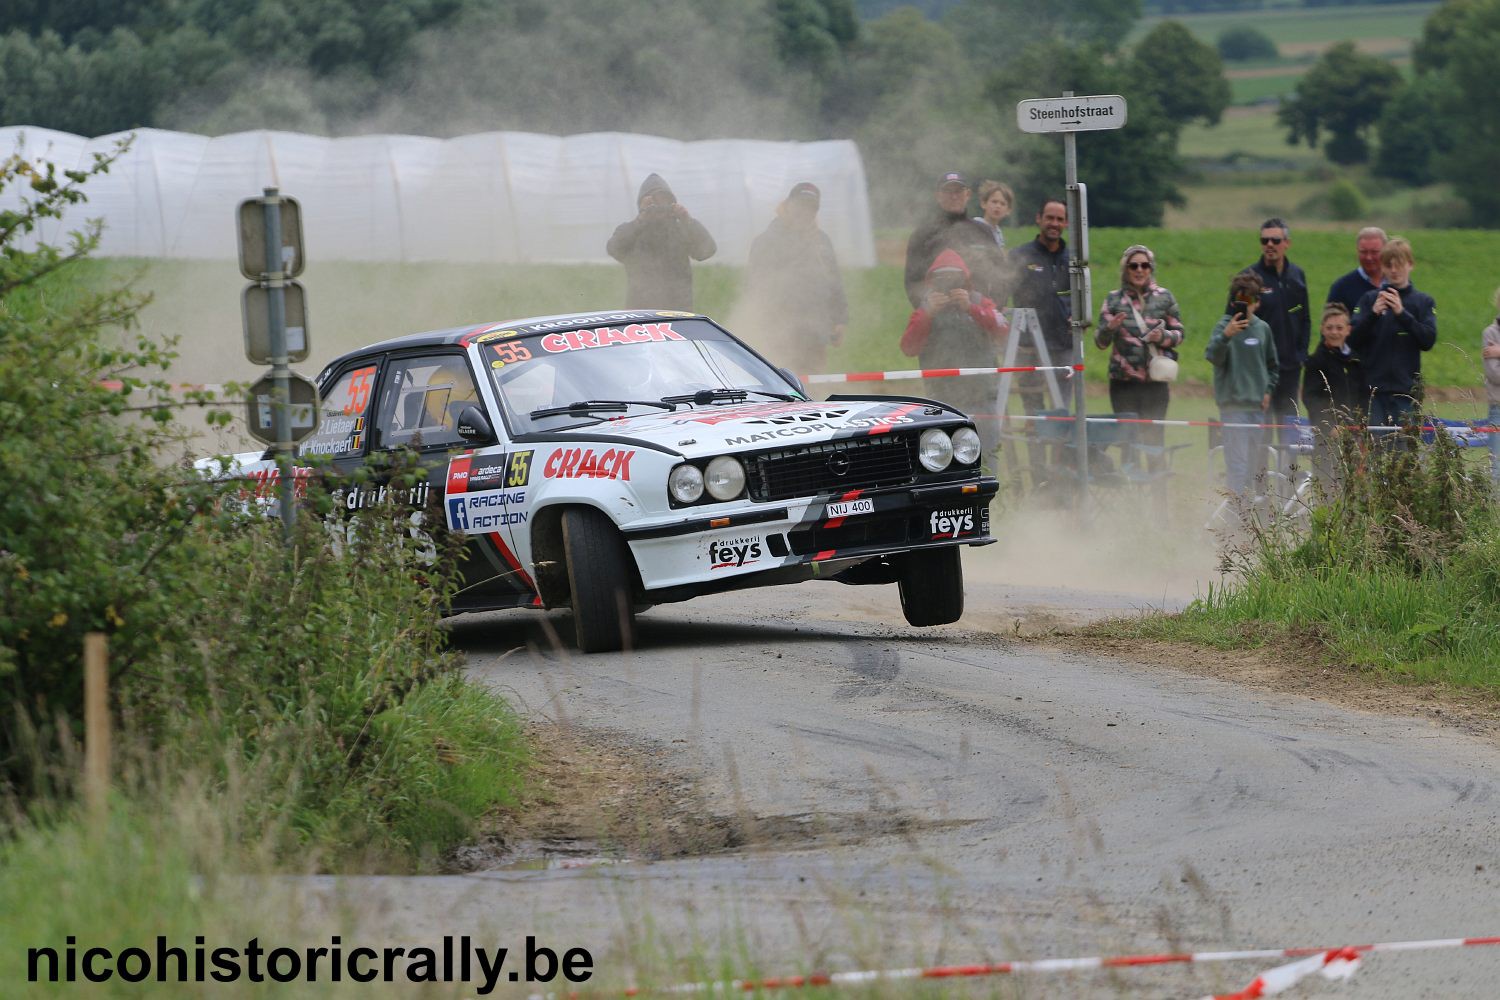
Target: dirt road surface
{"x":795,"y":780}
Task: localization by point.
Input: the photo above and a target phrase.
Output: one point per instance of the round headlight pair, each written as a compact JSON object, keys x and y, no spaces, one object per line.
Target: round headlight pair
{"x":937,"y":449}
{"x":724,"y":479}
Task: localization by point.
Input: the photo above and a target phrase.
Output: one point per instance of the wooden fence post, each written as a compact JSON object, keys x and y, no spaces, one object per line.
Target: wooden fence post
{"x":96,"y":724}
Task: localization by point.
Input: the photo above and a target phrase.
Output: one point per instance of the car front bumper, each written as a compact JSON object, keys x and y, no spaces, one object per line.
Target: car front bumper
{"x":748,"y":538}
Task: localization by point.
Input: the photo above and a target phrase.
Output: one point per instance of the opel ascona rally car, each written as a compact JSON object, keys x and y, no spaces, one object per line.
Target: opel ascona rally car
{"x":607,"y":462}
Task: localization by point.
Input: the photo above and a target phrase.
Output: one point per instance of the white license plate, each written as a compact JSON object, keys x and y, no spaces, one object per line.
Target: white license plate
{"x":850,"y":508}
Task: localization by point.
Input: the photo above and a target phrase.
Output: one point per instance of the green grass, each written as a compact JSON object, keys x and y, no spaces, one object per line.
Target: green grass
{"x":1294,"y":25}
{"x":355,"y":304}
{"x":1386,"y":30}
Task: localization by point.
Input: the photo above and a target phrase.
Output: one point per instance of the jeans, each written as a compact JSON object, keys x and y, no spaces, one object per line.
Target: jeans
{"x":1495,"y":442}
{"x":1242,"y":447}
{"x":1391,"y":409}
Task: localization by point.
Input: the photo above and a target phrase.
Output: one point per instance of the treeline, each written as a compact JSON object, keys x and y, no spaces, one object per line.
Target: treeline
{"x":920,"y":96}
{"x":1441,"y":124}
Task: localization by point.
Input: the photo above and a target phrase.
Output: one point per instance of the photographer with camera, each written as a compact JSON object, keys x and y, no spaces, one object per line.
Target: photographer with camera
{"x":1242,"y":350}
{"x":656,"y":247}
{"x":956,"y":327}
{"x":1141,"y":325}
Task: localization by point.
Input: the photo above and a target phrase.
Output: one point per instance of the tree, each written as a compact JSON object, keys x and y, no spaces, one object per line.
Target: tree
{"x":1185,"y":75}
{"x":990,"y":30}
{"x":1415,"y":130}
{"x":1343,"y":94}
{"x":1132,"y":173}
{"x":1458,"y":52}
{"x":1243,"y":43}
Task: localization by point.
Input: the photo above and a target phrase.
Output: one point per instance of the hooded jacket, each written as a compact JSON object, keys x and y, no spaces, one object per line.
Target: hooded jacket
{"x":952,"y":337}
{"x":655,"y":249}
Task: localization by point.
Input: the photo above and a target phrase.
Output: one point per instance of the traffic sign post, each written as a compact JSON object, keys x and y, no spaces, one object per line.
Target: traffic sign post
{"x":283,"y":406}
{"x":1070,"y":115}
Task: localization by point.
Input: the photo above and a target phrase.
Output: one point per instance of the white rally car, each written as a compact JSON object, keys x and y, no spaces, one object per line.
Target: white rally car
{"x":611,"y":461}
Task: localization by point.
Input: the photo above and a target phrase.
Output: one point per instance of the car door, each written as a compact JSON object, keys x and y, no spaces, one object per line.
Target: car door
{"x":421,"y":397}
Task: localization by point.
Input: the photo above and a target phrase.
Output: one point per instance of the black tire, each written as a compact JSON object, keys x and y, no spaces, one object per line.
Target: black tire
{"x":600,"y":577}
{"x":931,"y":582}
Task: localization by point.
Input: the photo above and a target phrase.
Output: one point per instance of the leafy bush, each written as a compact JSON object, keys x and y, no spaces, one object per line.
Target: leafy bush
{"x":1345,"y":202}
{"x":1240,"y":44}
{"x":313,"y":682}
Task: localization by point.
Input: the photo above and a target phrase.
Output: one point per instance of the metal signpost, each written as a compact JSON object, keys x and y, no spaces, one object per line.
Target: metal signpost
{"x":283,"y":405}
{"x":1068,"y":115}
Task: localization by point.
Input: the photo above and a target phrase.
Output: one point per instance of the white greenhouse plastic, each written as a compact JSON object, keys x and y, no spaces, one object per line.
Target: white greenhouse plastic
{"x":493,"y":197}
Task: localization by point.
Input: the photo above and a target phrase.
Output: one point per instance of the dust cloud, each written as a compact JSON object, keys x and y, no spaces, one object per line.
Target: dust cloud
{"x":1122,"y":552}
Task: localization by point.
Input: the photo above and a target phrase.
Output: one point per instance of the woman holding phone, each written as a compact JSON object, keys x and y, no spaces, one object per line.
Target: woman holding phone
{"x":1139,"y":323}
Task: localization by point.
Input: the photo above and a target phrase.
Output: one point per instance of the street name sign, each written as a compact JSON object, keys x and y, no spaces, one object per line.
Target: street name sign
{"x":1098,"y":113}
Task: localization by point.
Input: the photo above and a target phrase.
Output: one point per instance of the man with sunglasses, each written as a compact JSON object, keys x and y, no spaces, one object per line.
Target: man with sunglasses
{"x":1283,"y":307}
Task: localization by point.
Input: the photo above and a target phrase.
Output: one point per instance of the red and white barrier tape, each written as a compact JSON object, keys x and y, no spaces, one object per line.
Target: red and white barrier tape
{"x":1424,"y":428}
{"x":931,"y":373}
{"x":1332,"y":963}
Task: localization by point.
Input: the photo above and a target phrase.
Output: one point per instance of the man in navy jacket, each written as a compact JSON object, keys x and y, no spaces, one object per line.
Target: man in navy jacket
{"x":1283,"y":306}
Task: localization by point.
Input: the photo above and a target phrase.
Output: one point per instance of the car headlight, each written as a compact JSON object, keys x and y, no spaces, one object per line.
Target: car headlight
{"x":965,"y":446}
{"x":685,"y":484}
{"x":935,"y":450}
{"x":725,"y":478}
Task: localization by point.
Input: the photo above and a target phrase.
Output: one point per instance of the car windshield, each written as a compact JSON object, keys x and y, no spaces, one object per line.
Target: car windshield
{"x":634,"y":364}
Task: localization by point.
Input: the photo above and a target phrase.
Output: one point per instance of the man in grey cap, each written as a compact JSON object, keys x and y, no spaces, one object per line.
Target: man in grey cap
{"x":951,"y":228}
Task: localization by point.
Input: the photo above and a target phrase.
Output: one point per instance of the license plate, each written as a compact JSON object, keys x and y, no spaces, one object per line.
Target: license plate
{"x":851,"y":507}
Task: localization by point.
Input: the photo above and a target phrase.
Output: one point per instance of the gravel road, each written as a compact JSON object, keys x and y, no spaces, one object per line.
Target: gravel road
{"x":903,"y":796}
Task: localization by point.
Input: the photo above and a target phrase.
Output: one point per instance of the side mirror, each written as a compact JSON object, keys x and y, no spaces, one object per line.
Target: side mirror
{"x":474,"y":427}
{"x":791,"y":377}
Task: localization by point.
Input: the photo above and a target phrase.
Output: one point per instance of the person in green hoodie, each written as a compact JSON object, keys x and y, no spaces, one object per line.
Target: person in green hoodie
{"x":1243,"y":353}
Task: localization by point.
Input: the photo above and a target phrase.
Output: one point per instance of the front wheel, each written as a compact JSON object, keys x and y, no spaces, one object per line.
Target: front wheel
{"x":599,"y":575}
{"x":931,"y":582}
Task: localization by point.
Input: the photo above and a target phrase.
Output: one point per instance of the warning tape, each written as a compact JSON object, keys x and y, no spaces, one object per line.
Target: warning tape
{"x":1332,"y":963}
{"x":1424,"y":428}
{"x":932,"y":373}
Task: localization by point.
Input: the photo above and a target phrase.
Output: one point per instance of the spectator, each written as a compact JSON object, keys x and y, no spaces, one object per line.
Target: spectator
{"x":1043,"y":284}
{"x":793,"y":282}
{"x":1333,"y":389}
{"x":1491,"y":355}
{"x":950,"y":228}
{"x":1243,"y":353}
{"x":1135,"y":317}
{"x":1349,"y":289}
{"x":1393,"y":325}
{"x":1283,"y":307}
{"x":996,"y":199}
{"x":655,"y":247}
{"x":957,"y":327}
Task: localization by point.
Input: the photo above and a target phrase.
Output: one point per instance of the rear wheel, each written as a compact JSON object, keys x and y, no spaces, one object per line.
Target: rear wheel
{"x":600,"y":577}
{"x":932,"y":586}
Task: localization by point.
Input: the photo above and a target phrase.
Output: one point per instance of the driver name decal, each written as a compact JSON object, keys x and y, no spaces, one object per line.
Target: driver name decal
{"x":586,"y":463}
{"x":608,"y":336}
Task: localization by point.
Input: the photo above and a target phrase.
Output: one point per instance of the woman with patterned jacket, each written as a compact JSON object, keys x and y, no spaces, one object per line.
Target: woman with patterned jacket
{"x":1135,"y":317}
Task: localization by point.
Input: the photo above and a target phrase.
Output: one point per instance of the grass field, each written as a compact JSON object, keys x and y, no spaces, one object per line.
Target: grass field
{"x":353,"y":304}
{"x":1301,"y":33}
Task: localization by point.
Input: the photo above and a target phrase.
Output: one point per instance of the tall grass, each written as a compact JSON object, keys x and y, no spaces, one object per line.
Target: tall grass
{"x":1399,"y":573}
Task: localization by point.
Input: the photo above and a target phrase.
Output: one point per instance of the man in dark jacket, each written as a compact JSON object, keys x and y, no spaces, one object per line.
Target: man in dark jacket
{"x":1349,"y":289}
{"x":1393,"y":325}
{"x":655,"y":247}
{"x":794,"y":294}
{"x":951,"y":228}
{"x":1042,"y":282}
{"x":1283,"y":307}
